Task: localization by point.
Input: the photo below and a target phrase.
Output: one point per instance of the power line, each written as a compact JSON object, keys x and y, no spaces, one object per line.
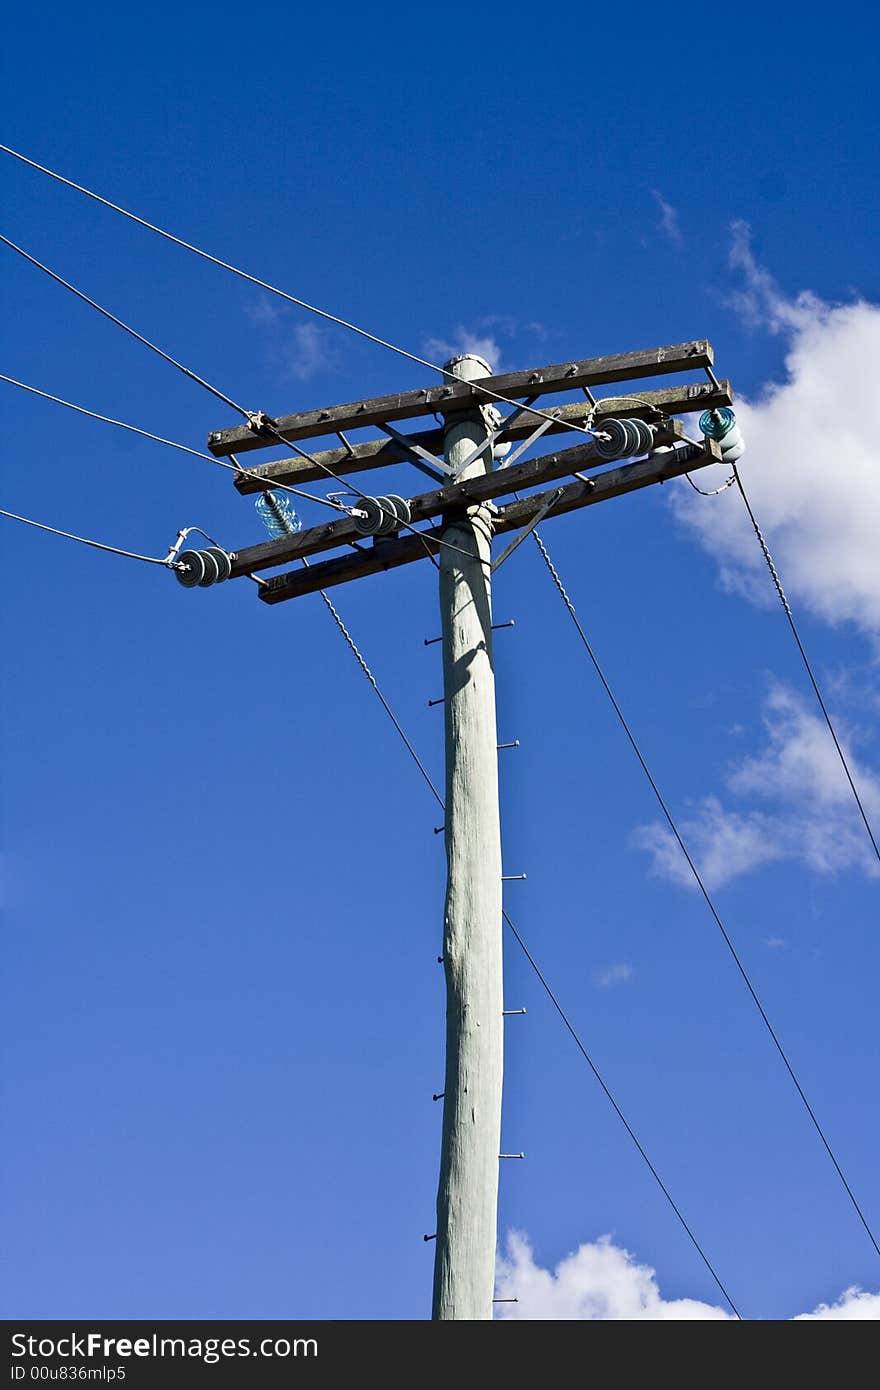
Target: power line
{"x":234,"y":467}
{"x":282,"y":294}
{"x":105,"y":419}
{"x":256,"y":421}
{"x":533,"y":963}
{"x":700,"y":884}
{"x":93,"y":304}
{"x":777,"y":582}
{"x":98,"y":545}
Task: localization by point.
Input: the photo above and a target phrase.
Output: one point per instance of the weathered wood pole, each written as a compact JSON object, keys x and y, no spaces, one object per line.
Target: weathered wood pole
{"x":467,"y":1198}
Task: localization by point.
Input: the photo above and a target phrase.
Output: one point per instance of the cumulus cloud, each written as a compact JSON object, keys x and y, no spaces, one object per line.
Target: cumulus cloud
{"x":805,"y":813}
{"x":602,"y":1282}
{"x":614,"y":975}
{"x":811,"y":464}
{"x":668,"y":223}
{"x":599,"y":1282}
{"x":854,"y":1304}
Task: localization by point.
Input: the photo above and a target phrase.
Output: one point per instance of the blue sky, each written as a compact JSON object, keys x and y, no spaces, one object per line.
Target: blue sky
{"x":224,"y":1016}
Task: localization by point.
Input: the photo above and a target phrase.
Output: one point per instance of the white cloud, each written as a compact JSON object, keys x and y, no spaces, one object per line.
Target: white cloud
{"x":483,"y":344}
{"x":300,"y":352}
{"x":263,"y":310}
{"x":761,"y":302}
{"x":854,"y":1304}
{"x":811,"y":466}
{"x":308,"y":353}
{"x":722,"y":843}
{"x":601,"y":1282}
{"x":668,"y":223}
{"x":484,"y":338}
{"x":614,"y":975}
{"x":800,"y":760}
{"x":808,"y":812}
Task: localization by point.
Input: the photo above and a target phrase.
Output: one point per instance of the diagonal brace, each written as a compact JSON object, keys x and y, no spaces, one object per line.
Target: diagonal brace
{"x":422,"y":458}
{"x":552,"y":499}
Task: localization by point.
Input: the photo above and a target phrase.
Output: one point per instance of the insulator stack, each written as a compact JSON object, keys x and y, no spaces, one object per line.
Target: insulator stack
{"x":202,"y":568}
{"x":379,"y":516}
{"x":721,"y":426}
{"x":625,"y":438}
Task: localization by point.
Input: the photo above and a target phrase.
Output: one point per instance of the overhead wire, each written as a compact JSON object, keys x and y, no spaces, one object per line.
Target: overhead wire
{"x":264,"y":425}
{"x":93,"y":304}
{"x":83,"y":540}
{"x":777,"y":582}
{"x":362,"y":663}
{"x":282,"y":294}
{"x":554,"y":574}
{"x":235,"y":467}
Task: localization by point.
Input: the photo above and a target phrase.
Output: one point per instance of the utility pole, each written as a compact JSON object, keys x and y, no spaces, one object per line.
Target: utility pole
{"x":467,"y":1197}
{"x":375,"y":535}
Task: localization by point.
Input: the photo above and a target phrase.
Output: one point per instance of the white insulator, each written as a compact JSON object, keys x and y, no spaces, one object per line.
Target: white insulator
{"x":733,"y":446}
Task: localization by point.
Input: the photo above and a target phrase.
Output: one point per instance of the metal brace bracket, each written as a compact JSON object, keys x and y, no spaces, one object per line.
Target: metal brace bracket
{"x":527,"y":530}
{"x":429,"y":463}
{"x":535,"y":434}
{"x":505,"y":424}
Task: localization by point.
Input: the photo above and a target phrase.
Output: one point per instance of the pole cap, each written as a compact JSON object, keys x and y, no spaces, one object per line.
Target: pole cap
{"x":468,"y":366}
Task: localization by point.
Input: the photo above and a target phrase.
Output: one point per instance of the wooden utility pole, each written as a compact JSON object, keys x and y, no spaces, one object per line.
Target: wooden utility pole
{"x":376,"y":535}
{"x":467,"y":1197}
